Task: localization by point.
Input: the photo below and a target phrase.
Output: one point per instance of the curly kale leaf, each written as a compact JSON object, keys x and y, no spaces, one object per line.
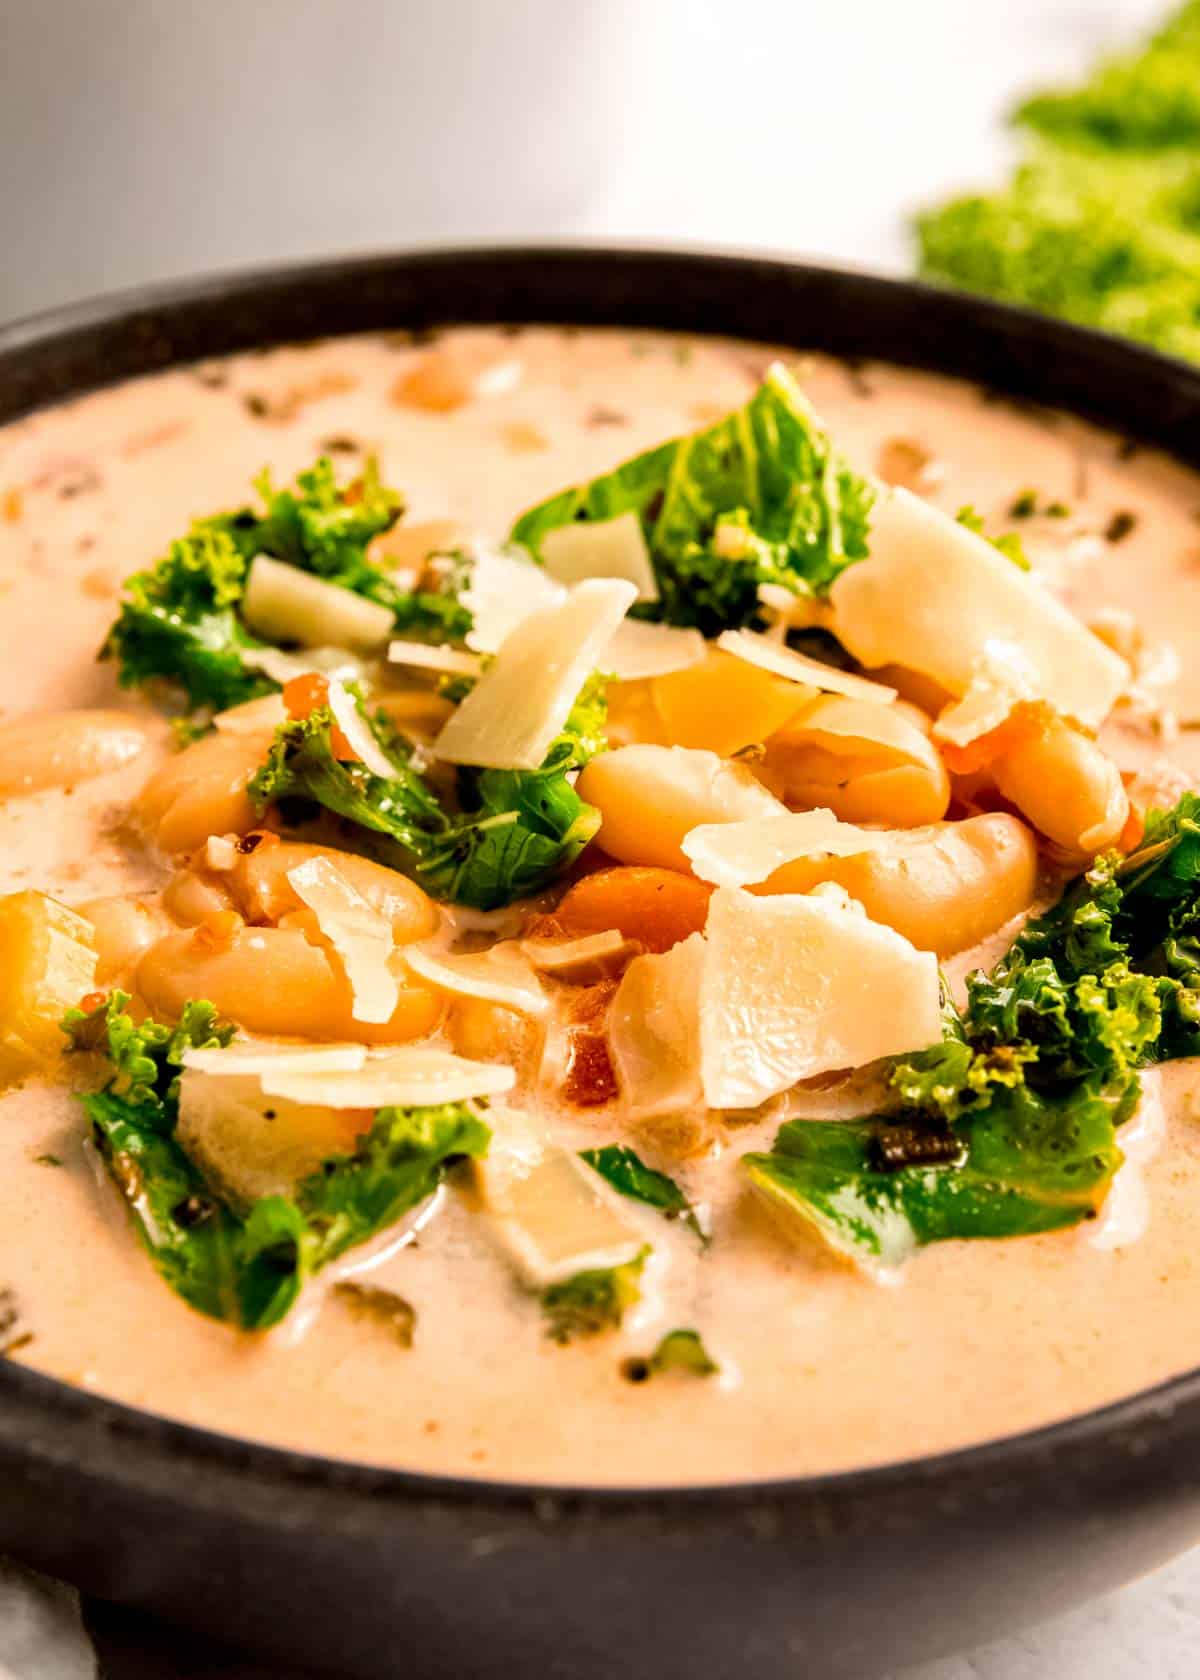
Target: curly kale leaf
{"x":513,"y":831}
{"x":146,"y":1056}
{"x":760,"y":497}
{"x":179,"y":622}
{"x":303,"y":769}
{"x":247,"y":1271}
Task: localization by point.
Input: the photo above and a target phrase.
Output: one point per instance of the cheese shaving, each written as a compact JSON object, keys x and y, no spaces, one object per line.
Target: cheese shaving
{"x":602,"y":548}
{"x":771,"y":655}
{"x":413,"y":1076}
{"x":357,"y":731}
{"x":521,"y":702}
{"x":639,"y":650}
{"x":277,"y":1055}
{"x":284,"y":604}
{"x":361,"y":938}
{"x":503,"y":589}
{"x":797,"y":985}
{"x":654,"y":1031}
{"x":553,"y":1215}
{"x":737,"y":854}
{"x":1002,"y":678}
{"x":502,"y":974}
{"x":933,"y":595}
{"x":428,"y":656}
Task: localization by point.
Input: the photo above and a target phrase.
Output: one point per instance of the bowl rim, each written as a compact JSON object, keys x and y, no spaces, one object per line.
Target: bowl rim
{"x":52,"y":356}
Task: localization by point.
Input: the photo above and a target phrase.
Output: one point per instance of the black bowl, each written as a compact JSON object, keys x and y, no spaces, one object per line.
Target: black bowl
{"x":373,"y":1572}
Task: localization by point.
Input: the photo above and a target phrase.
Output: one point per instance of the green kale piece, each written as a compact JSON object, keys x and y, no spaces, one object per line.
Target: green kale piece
{"x":247,"y":1271}
{"x":760,"y":497}
{"x":679,"y":1350}
{"x":513,"y":831}
{"x":625,"y":1170}
{"x":591,"y":1303}
{"x":1018,"y":1166}
{"x":179,"y":622}
{"x":1010,"y":1124}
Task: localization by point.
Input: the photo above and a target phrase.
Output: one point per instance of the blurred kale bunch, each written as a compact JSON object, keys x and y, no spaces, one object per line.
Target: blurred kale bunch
{"x":1101,"y":222}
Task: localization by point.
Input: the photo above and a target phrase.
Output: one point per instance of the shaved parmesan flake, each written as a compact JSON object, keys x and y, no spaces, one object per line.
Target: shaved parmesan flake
{"x":798,"y":985}
{"x":277,"y":1055}
{"x":285,"y":604}
{"x":639,"y":649}
{"x":357,"y":731}
{"x":413,"y":1076}
{"x":426,"y":656}
{"x":360,"y":936}
{"x":932,"y":595}
{"x":282,"y":667}
{"x":504,"y":588}
{"x":576,"y":958}
{"x":521,"y":701}
{"x":1003,"y":677}
{"x":252,"y":717}
{"x":552,"y":1214}
{"x":602,"y":548}
{"x":737,"y":854}
{"x":502,"y":974}
{"x":654,"y":1030}
{"x":771,"y":655}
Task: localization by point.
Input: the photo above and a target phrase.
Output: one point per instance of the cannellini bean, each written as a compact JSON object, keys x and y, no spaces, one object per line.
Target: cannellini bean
{"x":944,"y":887}
{"x":864,"y":761}
{"x":58,"y":749}
{"x":123,"y":927}
{"x":271,"y":981}
{"x":484,"y":1031}
{"x":202,"y":791}
{"x":259,"y":886}
{"x":657,"y":907}
{"x":649,"y":797}
{"x":724,"y":704}
{"x":1067,"y":786}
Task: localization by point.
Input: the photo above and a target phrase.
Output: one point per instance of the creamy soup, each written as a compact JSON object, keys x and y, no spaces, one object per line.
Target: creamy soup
{"x":821,"y":1364}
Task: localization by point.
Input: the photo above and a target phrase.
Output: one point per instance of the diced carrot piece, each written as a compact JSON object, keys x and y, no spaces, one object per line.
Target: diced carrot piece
{"x":657,"y":907}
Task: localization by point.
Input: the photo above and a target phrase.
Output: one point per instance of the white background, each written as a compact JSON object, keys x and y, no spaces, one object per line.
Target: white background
{"x":145,"y":138}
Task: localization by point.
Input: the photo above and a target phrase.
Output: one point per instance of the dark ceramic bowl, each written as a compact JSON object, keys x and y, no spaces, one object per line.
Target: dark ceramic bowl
{"x":373,"y":1573}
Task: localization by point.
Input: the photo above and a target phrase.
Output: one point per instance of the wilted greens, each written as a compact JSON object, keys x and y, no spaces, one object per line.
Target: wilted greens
{"x":1101,"y":222}
{"x":624,"y":1169}
{"x":510,"y":832}
{"x":592,"y":1302}
{"x":249,"y":1270}
{"x":760,"y":497}
{"x":180,"y":620}
{"x":1010,"y":1125}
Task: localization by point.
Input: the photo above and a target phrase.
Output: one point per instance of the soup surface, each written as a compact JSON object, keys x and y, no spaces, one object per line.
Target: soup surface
{"x":821,"y":1366}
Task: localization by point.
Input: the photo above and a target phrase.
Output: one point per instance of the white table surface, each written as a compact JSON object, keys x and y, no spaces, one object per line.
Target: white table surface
{"x":770,"y":124}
